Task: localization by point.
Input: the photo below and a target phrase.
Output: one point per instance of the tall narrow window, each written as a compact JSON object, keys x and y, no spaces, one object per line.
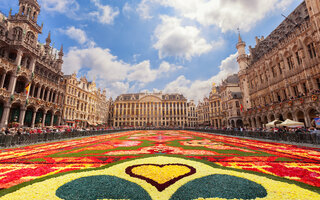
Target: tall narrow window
{"x":304,"y":87}
{"x":279,"y":97}
{"x":295,"y":89}
{"x":312,"y":51}
{"x":290,"y":63}
{"x":298,"y":58}
{"x":274,"y":73}
{"x":279,"y":66}
{"x":285,"y":94}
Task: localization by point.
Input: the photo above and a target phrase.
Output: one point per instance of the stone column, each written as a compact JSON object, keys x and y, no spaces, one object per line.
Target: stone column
{"x":3,"y":78}
{"x":39,"y":91}
{"x":22,"y":115}
{"x":12,"y":84}
{"x":161,"y":114}
{"x":135,"y":114}
{"x":13,"y":79}
{"x":44,"y":118}
{"x":307,"y":120}
{"x":52,"y":118}
{"x":59,"y":120}
{"x":32,"y":64}
{"x":5,"y":115}
{"x":153,"y":113}
{"x":33,"y":119}
{"x":48,"y":96}
{"x":291,"y":91}
{"x":56,"y":100}
{"x":33,"y":90}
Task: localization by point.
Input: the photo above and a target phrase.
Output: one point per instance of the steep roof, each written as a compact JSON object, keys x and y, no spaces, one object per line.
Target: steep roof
{"x":232,"y":79}
{"x":294,"y":20}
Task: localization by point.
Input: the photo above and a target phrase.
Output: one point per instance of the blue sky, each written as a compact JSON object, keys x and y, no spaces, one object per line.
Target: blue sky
{"x":169,"y":45}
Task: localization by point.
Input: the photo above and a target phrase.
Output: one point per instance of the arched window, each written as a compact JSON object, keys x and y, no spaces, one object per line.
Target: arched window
{"x":17,"y":33}
{"x":29,"y":11}
{"x":311,"y":50}
{"x":34,"y":16}
{"x":30,"y":38}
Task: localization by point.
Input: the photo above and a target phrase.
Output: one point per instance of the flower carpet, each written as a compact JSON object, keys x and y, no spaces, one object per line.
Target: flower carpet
{"x":160,"y":165}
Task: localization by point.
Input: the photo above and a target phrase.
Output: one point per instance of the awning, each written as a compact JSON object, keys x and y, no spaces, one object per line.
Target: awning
{"x":273,"y":123}
{"x":291,"y":123}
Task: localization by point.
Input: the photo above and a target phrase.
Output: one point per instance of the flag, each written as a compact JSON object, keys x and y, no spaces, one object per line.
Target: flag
{"x":241,"y":107}
{"x":28,"y":88}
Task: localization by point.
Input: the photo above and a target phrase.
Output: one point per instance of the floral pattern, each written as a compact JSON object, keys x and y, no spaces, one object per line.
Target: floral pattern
{"x":163,"y":163}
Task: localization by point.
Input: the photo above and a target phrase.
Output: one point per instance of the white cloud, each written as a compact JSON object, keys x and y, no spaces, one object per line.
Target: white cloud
{"x":179,"y":41}
{"x":144,"y":9}
{"x":76,"y":34}
{"x":127,"y":9}
{"x":226,"y":14}
{"x":105,"y":13}
{"x":166,"y":67}
{"x":61,"y":6}
{"x":198,"y":89}
{"x":111,"y":72}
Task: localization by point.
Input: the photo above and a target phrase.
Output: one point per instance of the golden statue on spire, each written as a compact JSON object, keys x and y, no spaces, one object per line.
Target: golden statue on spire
{"x":214,"y":88}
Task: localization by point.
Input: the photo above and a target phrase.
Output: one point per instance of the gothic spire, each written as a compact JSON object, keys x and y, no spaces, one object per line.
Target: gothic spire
{"x":48,"y":40}
{"x":61,"y":51}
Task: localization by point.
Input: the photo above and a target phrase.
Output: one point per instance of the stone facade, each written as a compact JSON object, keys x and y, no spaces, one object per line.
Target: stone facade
{"x":215,"y":108}
{"x":280,"y":78}
{"x":231,"y":100}
{"x":146,"y":110}
{"x":110,"y":112}
{"x":192,"y":114}
{"x":84,"y":104}
{"x":203,"y":112}
{"x":26,"y":62}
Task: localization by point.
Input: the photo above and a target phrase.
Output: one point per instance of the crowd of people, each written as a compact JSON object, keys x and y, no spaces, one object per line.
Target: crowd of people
{"x":298,"y":134}
{"x":17,"y":136}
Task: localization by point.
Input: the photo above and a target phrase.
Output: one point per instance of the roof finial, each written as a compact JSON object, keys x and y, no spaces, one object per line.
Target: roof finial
{"x":48,"y":40}
{"x":61,"y":51}
{"x":239,"y":39}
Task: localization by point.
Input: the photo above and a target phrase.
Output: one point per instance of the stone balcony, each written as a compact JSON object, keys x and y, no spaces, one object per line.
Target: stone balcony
{"x":26,"y":19}
{"x":9,"y":66}
{"x":45,"y":104}
{"x":5,"y":93}
{"x":297,"y":102}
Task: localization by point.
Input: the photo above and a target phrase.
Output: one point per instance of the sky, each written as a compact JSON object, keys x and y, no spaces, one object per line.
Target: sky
{"x":173,"y":46}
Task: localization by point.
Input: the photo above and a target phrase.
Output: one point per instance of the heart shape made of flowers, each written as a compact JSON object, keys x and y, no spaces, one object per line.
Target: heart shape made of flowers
{"x":160,"y":176}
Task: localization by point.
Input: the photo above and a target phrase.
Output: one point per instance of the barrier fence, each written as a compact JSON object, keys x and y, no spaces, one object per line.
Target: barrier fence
{"x":26,"y":139}
{"x":296,"y":137}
